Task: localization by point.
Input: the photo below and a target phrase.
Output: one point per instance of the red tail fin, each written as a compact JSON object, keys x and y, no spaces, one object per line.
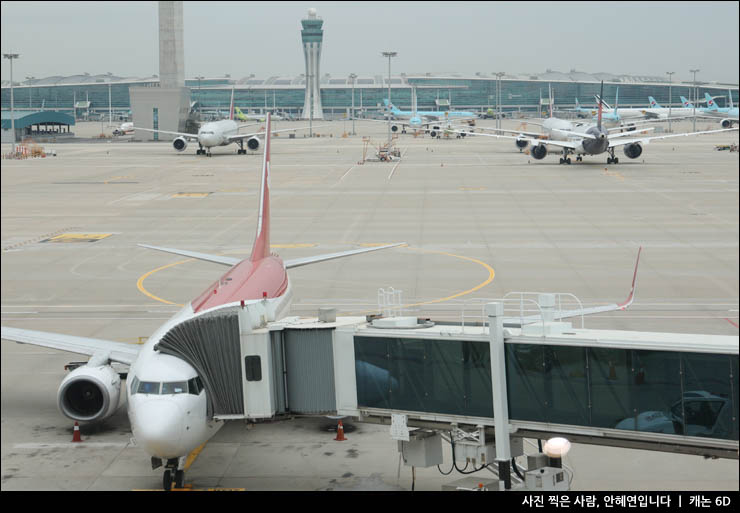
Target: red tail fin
{"x":261,"y":248}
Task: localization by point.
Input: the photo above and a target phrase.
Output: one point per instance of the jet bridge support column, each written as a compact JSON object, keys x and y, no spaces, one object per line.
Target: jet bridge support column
{"x":495,"y":314}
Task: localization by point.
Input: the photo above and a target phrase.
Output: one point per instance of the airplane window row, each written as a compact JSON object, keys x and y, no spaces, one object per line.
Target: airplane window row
{"x":193,"y":386}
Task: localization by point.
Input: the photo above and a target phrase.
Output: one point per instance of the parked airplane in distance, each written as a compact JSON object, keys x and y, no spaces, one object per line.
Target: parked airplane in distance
{"x":728,"y":115}
{"x":125,"y":128}
{"x":429,"y":121}
{"x":219,"y":133}
{"x":254,"y":117}
{"x":168,"y":400}
{"x":587,"y":139}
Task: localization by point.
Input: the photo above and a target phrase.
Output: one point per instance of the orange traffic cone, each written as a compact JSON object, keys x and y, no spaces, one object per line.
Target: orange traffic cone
{"x":340,"y":433}
{"x":76,"y":437}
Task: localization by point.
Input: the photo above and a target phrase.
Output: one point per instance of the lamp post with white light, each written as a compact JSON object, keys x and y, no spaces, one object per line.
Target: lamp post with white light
{"x":694,"y":71}
{"x":352,"y":77}
{"x":670,"y":98}
{"x":11,"y":56}
{"x":389,"y":55}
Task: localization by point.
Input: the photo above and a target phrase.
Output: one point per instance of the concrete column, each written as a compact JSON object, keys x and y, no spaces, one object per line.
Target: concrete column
{"x":495,"y":314}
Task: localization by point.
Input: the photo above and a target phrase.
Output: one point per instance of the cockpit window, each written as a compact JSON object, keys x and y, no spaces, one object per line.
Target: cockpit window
{"x":175,"y":387}
{"x":148,"y":387}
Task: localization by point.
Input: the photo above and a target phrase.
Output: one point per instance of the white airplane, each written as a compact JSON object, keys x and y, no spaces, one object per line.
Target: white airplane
{"x":241,"y":116}
{"x":219,"y":133}
{"x":587,"y":139}
{"x":169,"y":402}
{"x":125,"y":128}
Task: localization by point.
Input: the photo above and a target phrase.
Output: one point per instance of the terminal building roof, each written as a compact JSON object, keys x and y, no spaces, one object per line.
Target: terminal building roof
{"x":363,"y":79}
{"x":25,"y":119}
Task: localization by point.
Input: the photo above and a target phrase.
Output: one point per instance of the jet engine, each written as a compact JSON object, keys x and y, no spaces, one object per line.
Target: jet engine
{"x":539,"y":152}
{"x":180,"y":144}
{"x":521,"y":143}
{"x":394,"y":128}
{"x":727,"y":123}
{"x":633,"y":150}
{"x":253,"y":143}
{"x":89,"y":393}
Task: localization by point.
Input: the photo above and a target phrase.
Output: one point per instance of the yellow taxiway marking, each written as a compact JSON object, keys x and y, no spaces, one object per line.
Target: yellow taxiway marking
{"x":491,"y":275}
{"x":78,"y":237}
{"x":193,"y":455}
{"x":140,"y":283}
{"x":489,"y":279}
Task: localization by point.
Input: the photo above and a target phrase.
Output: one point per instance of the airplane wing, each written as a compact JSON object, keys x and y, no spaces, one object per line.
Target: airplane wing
{"x":506,"y":130}
{"x":216,"y":259}
{"x":646,"y":140}
{"x":190,"y":137}
{"x":297,"y":262}
{"x":518,"y":322}
{"x":631,"y":133}
{"x":115,"y":351}
{"x":246,"y":136}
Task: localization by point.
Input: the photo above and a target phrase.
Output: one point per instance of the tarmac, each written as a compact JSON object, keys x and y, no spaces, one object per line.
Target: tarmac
{"x":480,"y":219}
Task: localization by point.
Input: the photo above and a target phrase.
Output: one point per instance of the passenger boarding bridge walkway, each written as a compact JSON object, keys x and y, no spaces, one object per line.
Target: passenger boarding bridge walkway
{"x":656,"y":391}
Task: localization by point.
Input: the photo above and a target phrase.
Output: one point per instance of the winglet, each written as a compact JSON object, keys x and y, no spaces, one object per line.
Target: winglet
{"x":261,"y":248}
{"x":631,"y":297}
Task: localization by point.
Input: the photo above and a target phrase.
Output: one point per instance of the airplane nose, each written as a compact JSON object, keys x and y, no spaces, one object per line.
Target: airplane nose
{"x":159,"y":428}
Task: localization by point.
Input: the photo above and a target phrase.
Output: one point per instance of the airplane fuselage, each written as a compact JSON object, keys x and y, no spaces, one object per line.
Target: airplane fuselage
{"x":216,"y":133}
{"x":168,"y":418}
{"x":564,"y":130}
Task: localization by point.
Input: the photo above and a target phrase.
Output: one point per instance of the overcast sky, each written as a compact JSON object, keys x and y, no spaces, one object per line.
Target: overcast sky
{"x":241,"y":38}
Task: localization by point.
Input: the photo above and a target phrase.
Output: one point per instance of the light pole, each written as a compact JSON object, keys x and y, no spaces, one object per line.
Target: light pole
{"x":310,"y":106}
{"x":11,"y":56}
{"x":694,"y":71}
{"x":30,"y":92}
{"x":389,"y":55}
{"x":498,"y":97}
{"x":199,"y":96}
{"x":352,"y":77}
{"x":670,"y":98}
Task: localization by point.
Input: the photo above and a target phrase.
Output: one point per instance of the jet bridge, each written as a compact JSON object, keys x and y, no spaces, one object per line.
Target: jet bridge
{"x":655,"y":391}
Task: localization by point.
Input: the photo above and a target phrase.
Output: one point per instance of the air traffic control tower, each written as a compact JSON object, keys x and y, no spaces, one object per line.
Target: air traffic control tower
{"x":312,"y":36}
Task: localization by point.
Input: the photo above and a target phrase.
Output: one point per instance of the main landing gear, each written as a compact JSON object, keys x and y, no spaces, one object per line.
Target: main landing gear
{"x":241,"y":150}
{"x":201,"y":151}
{"x":565,"y":159}
{"x":612,"y":159}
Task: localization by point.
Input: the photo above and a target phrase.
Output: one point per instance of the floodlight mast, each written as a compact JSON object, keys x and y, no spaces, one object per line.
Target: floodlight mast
{"x":696,"y":94}
{"x":670,"y":97}
{"x":389,"y":55}
{"x":10,"y":57}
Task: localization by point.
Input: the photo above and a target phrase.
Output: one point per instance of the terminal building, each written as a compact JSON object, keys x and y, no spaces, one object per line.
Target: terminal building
{"x":287,"y":93}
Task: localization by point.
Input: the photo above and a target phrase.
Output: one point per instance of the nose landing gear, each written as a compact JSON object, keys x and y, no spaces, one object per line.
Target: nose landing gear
{"x":173,"y":474}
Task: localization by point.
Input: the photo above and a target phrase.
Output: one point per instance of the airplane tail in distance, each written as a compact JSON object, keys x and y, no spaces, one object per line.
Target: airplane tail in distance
{"x":653,"y":103}
{"x":686,"y":103}
{"x":711,"y":104}
{"x":392,"y":107}
{"x":261,"y":247}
